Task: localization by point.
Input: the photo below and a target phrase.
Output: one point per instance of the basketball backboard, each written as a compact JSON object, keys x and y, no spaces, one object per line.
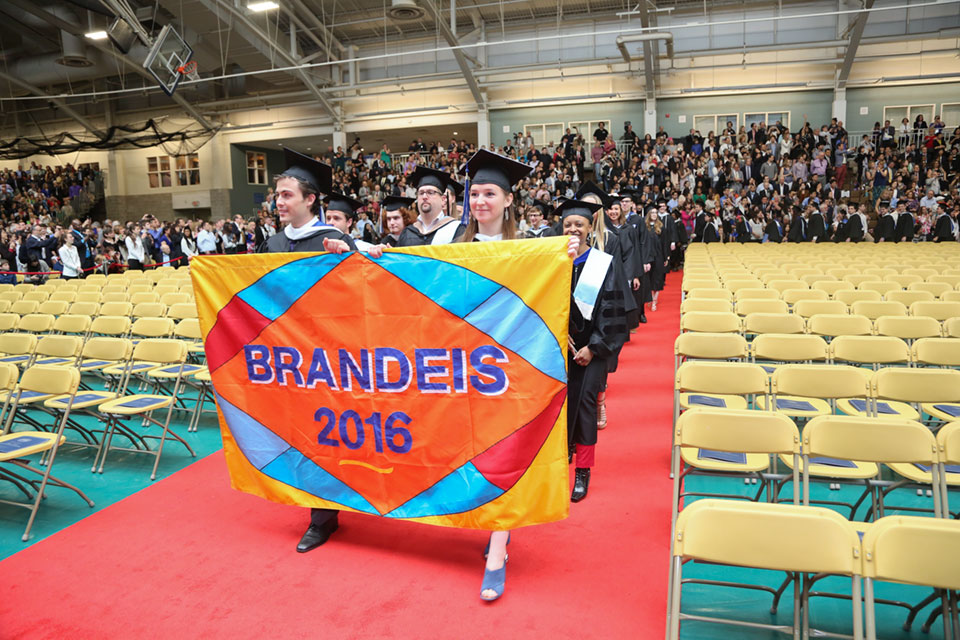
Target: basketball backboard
{"x":168,"y":59}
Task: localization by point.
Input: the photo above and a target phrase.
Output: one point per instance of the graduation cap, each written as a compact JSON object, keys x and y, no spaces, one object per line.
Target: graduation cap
{"x":591,"y":187}
{"x":629,"y":193}
{"x":316,"y":174}
{"x":392,"y":203}
{"x":344,"y":204}
{"x":581,"y":208}
{"x":545,"y":207}
{"x":427,"y":177}
{"x":486,"y":167}
{"x":455,"y":186}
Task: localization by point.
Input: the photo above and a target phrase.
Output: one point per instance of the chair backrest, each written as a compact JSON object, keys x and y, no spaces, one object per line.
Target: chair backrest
{"x":111,"y":325}
{"x":104,"y":348}
{"x":916,"y":385}
{"x":190,"y":328}
{"x":73,"y":323}
{"x":174,"y":298}
{"x":54,"y":307}
{"x":138,"y":298}
{"x":807,"y":308}
{"x":923,"y":272}
{"x":139,"y":287}
{"x":788,"y":348}
{"x":909,"y":297}
{"x":880,"y":287}
{"x":761,"y":305}
{"x":736,"y":284}
{"x":951,"y":328}
{"x":793,"y":296}
{"x":773,"y":323}
{"x":952,"y":280}
{"x":873,"y":309}
{"x":740,"y":378}
{"x":160,"y":350}
{"x":18,"y":344}
{"x":881,"y":440}
{"x":163,"y":289}
{"x":152,"y":327}
{"x":149,"y":310}
{"x":951,"y":296}
{"x":712,"y":321}
{"x":60,"y":346}
{"x":114,"y":296}
{"x":784,"y":537}
{"x":948,"y":442}
{"x":710,"y":346}
{"x":935,"y":288}
{"x":786,"y":285}
{"x":8,"y":321}
{"x":913,"y":550}
{"x":710,"y":293}
{"x":116,"y":309}
{"x":24,"y":307}
{"x":36,"y":296}
{"x":11,"y":296}
{"x":858,"y":279}
{"x":183,"y":310}
{"x":89,"y":296}
{"x":9,"y":373}
{"x":831,"y":286}
{"x":96,"y":278}
{"x":694,"y":304}
{"x":840,"y":325}
{"x":820,"y":381}
{"x":51,"y":379}
{"x":115,"y":288}
{"x":943,"y":352}
{"x":756,"y":293}
{"x":880,"y":271}
{"x":84,"y":308}
{"x":869,"y":350}
{"x":36,"y":323}
{"x":903,"y":280}
{"x":735,"y":430}
{"x":5,"y":306}
{"x":907,"y":328}
{"x":850,"y":296}
{"x":937,"y":309}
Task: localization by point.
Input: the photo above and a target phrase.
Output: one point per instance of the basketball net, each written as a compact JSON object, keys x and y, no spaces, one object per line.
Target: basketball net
{"x":189,"y":70}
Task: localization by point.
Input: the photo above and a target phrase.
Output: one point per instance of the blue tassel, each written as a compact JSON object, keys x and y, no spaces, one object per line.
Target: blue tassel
{"x":466,"y":202}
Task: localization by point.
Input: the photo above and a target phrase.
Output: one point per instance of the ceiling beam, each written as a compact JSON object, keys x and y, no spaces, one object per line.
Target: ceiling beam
{"x":458,"y":54}
{"x":107,"y":48}
{"x":855,"y":34}
{"x":649,"y":75}
{"x":37,"y":91}
{"x":269,"y":48}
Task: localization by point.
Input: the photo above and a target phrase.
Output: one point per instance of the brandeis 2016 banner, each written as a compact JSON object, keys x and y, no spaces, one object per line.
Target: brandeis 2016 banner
{"x":428,"y":384}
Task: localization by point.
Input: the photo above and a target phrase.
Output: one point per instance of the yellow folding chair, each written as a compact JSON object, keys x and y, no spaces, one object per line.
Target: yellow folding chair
{"x":912,"y":550}
{"x":850,"y":296}
{"x":24,"y":307}
{"x":142,"y":406}
{"x":18,"y":348}
{"x":935,"y":391}
{"x":873,"y":309}
{"x":939,"y":310}
{"x":808,"y":308}
{"x":710,"y":321}
{"x":869,"y":350}
{"x":937,"y":352}
{"x":907,"y":328}
{"x":907,"y":298}
{"x":688,"y":305}
{"x":116,"y":309}
{"x":756,"y":293}
{"x":15,"y":447}
{"x":948,"y":447}
{"x":831,"y":286}
{"x":937,"y":289}
{"x":808,"y":390}
{"x":951,"y":328}
{"x":36,"y":323}
{"x":779,"y":537}
{"x":839,"y":325}
{"x":759,"y":323}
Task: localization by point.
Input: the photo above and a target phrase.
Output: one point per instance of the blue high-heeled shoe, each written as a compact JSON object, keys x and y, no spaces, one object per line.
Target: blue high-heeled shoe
{"x":494,"y":581}
{"x":486,"y":549}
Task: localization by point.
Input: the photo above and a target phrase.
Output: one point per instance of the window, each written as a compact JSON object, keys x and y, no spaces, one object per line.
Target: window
{"x":158,"y":171}
{"x":950,"y":114}
{"x":897,"y":113}
{"x":188,"y":169}
{"x":716,"y":123}
{"x":256,"y":167}
{"x":161,"y":170}
{"x":767,"y":117}
{"x":544,"y":134}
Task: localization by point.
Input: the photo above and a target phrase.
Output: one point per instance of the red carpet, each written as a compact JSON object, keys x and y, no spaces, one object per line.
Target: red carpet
{"x":188,"y":557}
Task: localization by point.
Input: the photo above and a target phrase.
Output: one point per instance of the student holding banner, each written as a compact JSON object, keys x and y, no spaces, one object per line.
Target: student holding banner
{"x":298,"y":191}
{"x":395,"y":216}
{"x":432,"y":225}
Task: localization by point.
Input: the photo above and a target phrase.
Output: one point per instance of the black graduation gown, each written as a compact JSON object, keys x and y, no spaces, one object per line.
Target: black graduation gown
{"x":943,"y":229}
{"x":624,"y":289}
{"x":798,"y":229}
{"x":710,"y":233}
{"x":676,"y":257}
{"x":817,"y":228}
{"x":605,"y":334}
{"x":542,"y":232}
{"x":698,"y":226}
{"x":855,"y":229}
{"x":653,"y":243}
{"x":743,"y":231}
{"x":840,"y":235}
{"x":411,"y":236}
{"x":906,"y":227}
{"x":390,"y":240}
{"x":886,"y":229}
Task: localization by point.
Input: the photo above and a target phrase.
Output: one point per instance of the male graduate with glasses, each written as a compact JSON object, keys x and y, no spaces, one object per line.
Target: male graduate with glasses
{"x":432,"y":225}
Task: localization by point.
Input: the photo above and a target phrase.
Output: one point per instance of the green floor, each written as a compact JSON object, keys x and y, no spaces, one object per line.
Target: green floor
{"x":827,"y":614}
{"x":124,"y":474}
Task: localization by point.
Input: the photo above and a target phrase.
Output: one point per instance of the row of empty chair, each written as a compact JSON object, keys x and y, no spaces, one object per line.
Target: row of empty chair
{"x":831,"y":325}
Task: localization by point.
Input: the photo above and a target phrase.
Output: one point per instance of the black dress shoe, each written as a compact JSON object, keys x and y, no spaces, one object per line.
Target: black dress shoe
{"x":643,"y":319}
{"x":580,"y":484}
{"x":317,"y":535}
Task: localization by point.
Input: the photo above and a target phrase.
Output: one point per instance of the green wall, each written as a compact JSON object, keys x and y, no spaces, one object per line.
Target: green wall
{"x":243,"y":195}
{"x":614,"y":114}
{"x":875,"y":98}
{"x":815,"y":104}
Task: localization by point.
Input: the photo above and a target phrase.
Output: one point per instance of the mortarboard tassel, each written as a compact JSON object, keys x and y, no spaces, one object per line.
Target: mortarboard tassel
{"x":466,"y":201}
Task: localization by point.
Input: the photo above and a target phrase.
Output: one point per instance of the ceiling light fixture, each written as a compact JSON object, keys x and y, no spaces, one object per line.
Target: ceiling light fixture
{"x":267,"y":5}
{"x":96,"y":35}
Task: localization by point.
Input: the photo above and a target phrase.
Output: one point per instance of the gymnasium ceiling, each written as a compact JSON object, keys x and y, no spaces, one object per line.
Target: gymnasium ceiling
{"x":246,"y":47}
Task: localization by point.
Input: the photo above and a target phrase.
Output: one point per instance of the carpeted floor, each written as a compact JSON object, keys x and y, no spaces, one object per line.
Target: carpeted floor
{"x":189,"y":557}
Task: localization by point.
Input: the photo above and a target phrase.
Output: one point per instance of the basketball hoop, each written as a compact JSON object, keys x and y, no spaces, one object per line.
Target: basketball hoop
{"x":189,"y":70}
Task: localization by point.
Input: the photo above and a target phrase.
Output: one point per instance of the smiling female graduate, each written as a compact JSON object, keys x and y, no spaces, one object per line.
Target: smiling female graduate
{"x":298,"y":191}
{"x":598,"y":330}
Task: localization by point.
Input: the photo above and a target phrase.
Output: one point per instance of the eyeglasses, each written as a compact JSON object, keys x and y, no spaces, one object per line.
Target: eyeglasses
{"x":428,"y":192}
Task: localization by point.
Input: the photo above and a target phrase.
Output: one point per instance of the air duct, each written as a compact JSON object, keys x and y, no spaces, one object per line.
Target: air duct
{"x":74,"y":52}
{"x":622,"y":42}
{"x":405,"y":10}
